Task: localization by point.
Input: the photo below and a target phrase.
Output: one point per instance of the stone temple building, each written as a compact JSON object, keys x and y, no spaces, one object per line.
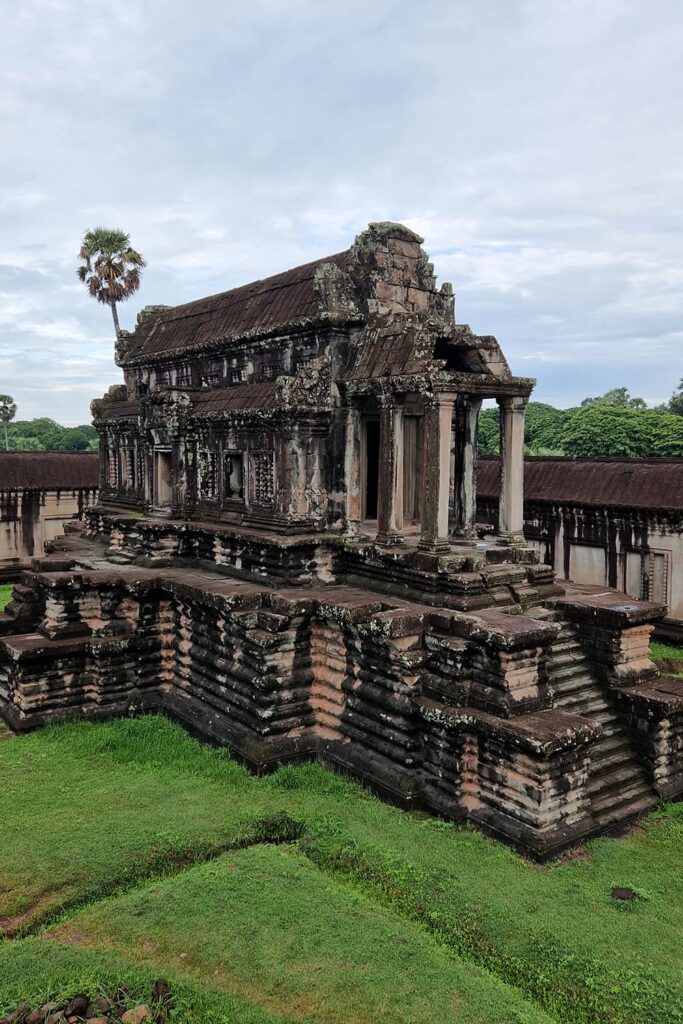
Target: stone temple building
{"x":284,"y":558}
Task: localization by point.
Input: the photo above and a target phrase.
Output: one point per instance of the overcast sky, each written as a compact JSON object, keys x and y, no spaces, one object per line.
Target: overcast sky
{"x":536,"y":144}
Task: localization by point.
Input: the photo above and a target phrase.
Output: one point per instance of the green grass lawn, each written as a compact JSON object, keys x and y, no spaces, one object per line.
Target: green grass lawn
{"x":153,"y":852}
{"x":36,"y":971}
{"x":5,"y":594}
{"x":670,"y":652}
{"x":267,"y":925}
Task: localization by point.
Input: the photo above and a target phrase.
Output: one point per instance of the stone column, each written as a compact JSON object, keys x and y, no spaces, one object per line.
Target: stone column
{"x":390,"y":490}
{"x":352,"y":470}
{"x":466,"y":422}
{"x":511,"y":505}
{"x":436,"y":460}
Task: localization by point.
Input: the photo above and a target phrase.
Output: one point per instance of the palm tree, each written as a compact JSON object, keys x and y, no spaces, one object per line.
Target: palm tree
{"x":8,"y":411}
{"x":111,"y":268}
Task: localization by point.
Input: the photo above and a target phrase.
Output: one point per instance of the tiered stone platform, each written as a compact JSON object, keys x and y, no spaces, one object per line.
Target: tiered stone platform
{"x":495,"y":697}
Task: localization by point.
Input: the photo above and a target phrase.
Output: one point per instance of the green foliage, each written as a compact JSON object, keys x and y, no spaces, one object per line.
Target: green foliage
{"x":110,"y":267}
{"x":617,"y":396}
{"x":44,"y":434}
{"x":489,"y":432}
{"x":660,"y":650}
{"x":120,"y":830}
{"x":24,"y":443}
{"x":611,"y":425}
{"x":8,"y":408}
{"x":5,"y":595}
{"x":676,"y":401}
{"x":542,"y":430}
{"x":615,"y":430}
{"x":8,"y":411}
{"x":543,"y":425}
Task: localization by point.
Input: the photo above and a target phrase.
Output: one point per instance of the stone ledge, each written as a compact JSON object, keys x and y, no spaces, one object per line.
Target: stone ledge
{"x":35,"y":645}
{"x":505,"y":631}
{"x":662,"y":699}
{"x":608,"y":608}
{"x":540,"y":733}
{"x":181,"y":527}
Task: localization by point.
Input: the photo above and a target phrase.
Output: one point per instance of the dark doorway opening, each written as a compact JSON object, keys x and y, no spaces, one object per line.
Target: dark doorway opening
{"x":371,"y":468}
{"x":412,"y":468}
{"x":163,"y":477}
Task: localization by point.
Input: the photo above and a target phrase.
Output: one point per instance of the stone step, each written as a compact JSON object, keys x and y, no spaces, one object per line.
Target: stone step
{"x":567,"y":635}
{"x":613,"y":741}
{"x":563,"y":644}
{"x":571,"y":684}
{"x":567,"y":659}
{"x":580,"y":697}
{"x":610,"y":812}
{"x":567,"y":667}
{"x":618,"y":781}
{"x":610,"y":817}
{"x":590,"y":706}
{"x":603,"y":762}
{"x":608,"y":718}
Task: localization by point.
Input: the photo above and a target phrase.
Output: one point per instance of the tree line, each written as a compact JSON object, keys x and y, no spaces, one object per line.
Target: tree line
{"x":613,"y":424}
{"x":43,"y":434}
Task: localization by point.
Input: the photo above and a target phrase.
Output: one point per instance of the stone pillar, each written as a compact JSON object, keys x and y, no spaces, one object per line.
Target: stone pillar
{"x":511,"y":505}
{"x":436,"y":464}
{"x":390,"y":493}
{"x":466,"y":423}
{"x":352,"y":470}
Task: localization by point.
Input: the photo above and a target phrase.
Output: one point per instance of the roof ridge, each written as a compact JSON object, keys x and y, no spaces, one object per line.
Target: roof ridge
{"x":167,"y":314}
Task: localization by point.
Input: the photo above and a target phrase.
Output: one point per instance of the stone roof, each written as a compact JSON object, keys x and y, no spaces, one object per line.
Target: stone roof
{"x":259,"y":307}
{"x":393,"y":347}
{"x":49,"y":470}
{"x":616,"y":482}
{"x":236,"y":398}
{"x":121,"y":410}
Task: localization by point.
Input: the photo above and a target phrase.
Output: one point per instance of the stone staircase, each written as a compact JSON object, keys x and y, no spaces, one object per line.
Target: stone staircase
{"x":619,"y":786}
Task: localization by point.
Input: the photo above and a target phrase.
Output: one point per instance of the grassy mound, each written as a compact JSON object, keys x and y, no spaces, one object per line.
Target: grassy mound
{"x":267,"y":925}
{"x":114,"y":811}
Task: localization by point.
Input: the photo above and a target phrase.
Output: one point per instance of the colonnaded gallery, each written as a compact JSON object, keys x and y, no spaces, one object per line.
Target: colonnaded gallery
{"x":284,"y":557}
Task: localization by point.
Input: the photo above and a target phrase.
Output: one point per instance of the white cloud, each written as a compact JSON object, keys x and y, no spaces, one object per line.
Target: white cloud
{"x":536,"y":144}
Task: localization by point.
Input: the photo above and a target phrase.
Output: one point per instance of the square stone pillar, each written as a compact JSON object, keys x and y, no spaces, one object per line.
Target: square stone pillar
{"x":511,"y":505}
{"x":436,"y":463}
{"x":390,"y":488}
{"x":352,"y":470}
{"x":465,"y":504}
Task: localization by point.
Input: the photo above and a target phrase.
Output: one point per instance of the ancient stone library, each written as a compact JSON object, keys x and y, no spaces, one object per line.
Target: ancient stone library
{"x":285,"y":557}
